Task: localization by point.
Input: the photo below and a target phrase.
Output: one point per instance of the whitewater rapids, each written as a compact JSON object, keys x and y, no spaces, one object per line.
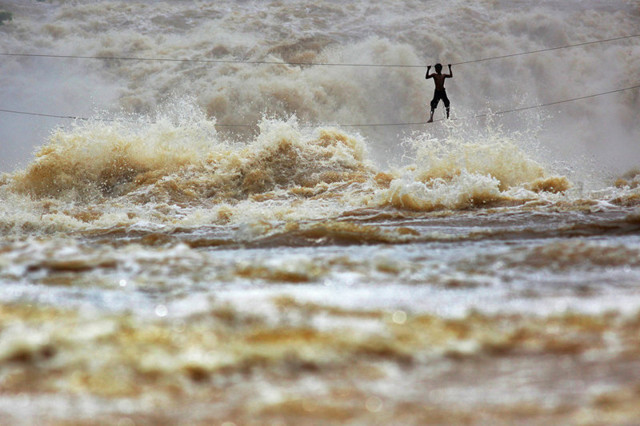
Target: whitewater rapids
{"x":219,"y":244}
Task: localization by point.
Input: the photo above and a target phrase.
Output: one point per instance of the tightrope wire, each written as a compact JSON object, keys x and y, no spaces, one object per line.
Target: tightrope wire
{"x":546,"y":50}
{"x":226,"y":61}
{"x":637,"y":86}
{"x":38,"y":114}
{"x":497,"y":112}
{"x":324,"y":64}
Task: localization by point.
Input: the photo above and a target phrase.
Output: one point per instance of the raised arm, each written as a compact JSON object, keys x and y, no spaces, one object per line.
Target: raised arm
{"x":450,"y":75}
{"x":427,"y":76}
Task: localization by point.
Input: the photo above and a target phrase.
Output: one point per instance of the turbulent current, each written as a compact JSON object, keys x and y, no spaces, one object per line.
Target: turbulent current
{"x":250,"y":222}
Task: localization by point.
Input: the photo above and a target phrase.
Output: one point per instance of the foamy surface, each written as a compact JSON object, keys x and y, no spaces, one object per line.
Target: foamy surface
{"x":158,"y":267}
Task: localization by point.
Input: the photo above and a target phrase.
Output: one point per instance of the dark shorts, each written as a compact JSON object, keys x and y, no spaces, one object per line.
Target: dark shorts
{"x":437,"y":95}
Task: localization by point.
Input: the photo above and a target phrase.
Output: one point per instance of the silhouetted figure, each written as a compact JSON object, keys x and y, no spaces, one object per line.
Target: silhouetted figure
{"x":439,"y":93}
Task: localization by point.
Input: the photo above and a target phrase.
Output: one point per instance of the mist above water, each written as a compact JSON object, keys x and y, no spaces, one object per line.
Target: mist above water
{"x":601,"y":130}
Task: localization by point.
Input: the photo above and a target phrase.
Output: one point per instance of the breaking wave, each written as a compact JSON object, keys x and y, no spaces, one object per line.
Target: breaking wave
{"x":177,"y":169}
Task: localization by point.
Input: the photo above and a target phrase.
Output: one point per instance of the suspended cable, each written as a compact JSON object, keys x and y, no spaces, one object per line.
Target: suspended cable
{"x":38,"y":114}
{"x":10,"y":111}
{"x":324,"y":64}
{"x":545,"y":50}
{"x":558,"y":102}
{"x":496,"y":112}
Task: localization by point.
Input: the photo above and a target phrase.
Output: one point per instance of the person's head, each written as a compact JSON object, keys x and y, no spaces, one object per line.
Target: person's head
{"x":438,"y":68}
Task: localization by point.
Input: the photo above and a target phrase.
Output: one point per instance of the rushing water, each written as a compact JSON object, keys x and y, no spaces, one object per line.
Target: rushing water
{"x":160,"y":267}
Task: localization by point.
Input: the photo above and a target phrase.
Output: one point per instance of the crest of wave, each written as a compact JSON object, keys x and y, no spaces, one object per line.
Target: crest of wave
{"x":179,"y":158}
{"x":102,"y":157}
{"x":465,"y":169}
{"x":282,"y":157}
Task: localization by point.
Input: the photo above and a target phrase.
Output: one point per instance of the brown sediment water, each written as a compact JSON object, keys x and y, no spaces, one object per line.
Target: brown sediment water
{"x":159,"y":267}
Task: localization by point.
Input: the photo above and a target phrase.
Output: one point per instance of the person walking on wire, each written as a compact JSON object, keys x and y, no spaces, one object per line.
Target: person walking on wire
{"x":439,"y":93}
